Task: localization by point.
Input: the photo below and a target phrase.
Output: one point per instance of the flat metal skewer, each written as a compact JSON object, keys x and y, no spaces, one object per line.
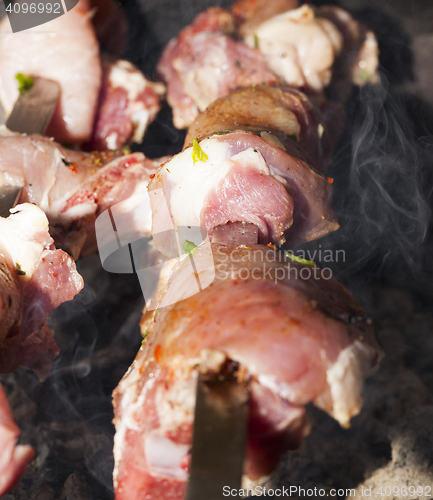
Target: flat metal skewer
{"x":222,"y":403}
{"x":219,"y":434}
{"x":31,"y":114}
{"x":34,"y":108}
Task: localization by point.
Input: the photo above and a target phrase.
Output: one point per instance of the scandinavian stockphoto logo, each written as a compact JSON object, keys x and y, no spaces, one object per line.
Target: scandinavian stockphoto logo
{"x":126,"y":246}
{"x":25,"y":14}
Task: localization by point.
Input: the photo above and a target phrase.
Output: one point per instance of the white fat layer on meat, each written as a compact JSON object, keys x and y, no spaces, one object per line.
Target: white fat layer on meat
{"x":201,"y":82}
{"x":111,"y":141}
{"x":282,"y":389}
{"x":346,"y":379}
{"x":164,"y":457}
{"x":126,"y":76}
{"x":298,"y":47}
{"x":140,"y":119}
{"x":176,"y":404}
{"x":183,"y":282}
{"x":133,"y":216}
{"x":78,"y":211}
{"x":175,"y":407}
{"x":24,"y":234}
{"x":190,"y":183}
{"x":130,"y":404}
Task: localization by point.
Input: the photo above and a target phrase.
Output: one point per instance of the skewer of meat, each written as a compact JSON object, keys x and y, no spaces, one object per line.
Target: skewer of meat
{"x":35,"y":278}
{"x":253,"y":167}
{"x":292,"y":329}
{"x":270,"y":42}
{"x":299,"y":338}
{"x":72,"y":187}
{"x":104,"y":103}
{"x":309,"y":47}
{"x":204,"y":62}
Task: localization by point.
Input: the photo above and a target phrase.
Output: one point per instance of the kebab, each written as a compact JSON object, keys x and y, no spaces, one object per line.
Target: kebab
{"x":254,"y":312}
{"x":295,"y":333}
{"x":272,"y":42}
{"x":154,"y":402}
{"x":35,"y":278}
{"x":257,"y":170}
{"x":105,"y":102}
{"x":71,"y":187}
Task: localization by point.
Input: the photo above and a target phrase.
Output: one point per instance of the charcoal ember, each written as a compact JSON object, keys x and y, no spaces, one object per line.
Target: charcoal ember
{"x":404,"y":391}
{"x":68,"y":440}
{"x":413,"y":442}
{"x":32,"y":487}
{"x":24,"y":407}
{"x":99,"y":459}
{"x":76,"y":488}
{"x":412,"y":458}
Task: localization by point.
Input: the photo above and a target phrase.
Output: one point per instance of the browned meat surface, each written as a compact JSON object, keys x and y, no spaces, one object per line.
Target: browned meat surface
{"x":285,"y":112}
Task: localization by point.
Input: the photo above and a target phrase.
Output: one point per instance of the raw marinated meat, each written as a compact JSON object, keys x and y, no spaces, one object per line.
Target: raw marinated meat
{"x":298,"y":334}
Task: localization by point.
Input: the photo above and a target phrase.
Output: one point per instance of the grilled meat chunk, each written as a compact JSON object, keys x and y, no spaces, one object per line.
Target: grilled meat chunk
{"x":204,"y":63}
{"x":298,"y":334}
{"x":72,"y":187}
{"x":248,"y":178}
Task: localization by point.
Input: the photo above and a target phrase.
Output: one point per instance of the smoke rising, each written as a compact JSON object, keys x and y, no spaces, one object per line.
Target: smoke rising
{"x":381,"y":190}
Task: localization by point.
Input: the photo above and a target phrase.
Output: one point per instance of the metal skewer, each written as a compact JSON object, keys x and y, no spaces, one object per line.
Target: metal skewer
{"x":221,"y":411}
{"x":31,"y":114}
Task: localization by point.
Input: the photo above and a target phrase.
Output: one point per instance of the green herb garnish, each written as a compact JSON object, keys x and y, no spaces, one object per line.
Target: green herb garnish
{"x":145,"y":335}
{"x":299,"y":260}
{"x":24,"y":82}
{"x":238,"y":64}
{"x":197,"y":153}
{"x":67,"y":163}
{"x":20,"y":272}
{"x":256,"y":42}
{"x":189,"y":247}
{"x":126,"y":149}
{"x":365,"y":75}
{"x":293,"y":137}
